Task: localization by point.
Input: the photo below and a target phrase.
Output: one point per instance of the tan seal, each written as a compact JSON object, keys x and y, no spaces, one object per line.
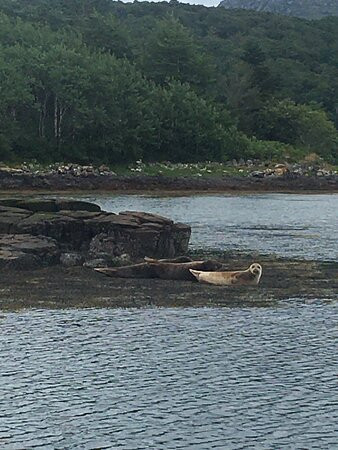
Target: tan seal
{"x":248,"y":277}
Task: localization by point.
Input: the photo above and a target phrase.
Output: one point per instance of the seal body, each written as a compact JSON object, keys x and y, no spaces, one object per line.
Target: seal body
{"x":248,"y":277}
{"x":163,"y":270}
{"x":143,"y":270}
{"x":179,"y":259}
{"x":181,"y":271}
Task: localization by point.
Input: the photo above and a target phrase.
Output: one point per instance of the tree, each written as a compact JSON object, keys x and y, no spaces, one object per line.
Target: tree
{"x":305,"y":126}
{"x":172,"y":54}
{"x":187,"y":127}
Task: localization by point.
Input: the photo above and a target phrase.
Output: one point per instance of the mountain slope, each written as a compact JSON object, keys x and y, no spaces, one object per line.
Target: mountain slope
{"x":308,"y":9}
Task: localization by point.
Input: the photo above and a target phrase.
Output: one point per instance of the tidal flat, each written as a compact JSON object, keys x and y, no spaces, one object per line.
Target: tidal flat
{"x":79,"y":287}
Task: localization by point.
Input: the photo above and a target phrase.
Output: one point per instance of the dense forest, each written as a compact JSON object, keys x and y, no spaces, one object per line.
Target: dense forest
{"x":102,"y":81}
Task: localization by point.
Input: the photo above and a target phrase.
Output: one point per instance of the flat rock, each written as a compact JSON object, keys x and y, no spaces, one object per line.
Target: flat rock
{"x":16,"y":260}
{"x":17,"y":250}
{"x":147,"y":217}
{"x":76,"y":205}
{"x":50,"y":205}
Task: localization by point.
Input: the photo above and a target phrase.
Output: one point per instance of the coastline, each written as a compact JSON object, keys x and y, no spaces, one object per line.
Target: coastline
{"x":64,"y":183}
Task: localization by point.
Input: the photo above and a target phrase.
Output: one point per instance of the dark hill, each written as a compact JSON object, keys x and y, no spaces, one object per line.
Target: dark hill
{"x":308,"y":9}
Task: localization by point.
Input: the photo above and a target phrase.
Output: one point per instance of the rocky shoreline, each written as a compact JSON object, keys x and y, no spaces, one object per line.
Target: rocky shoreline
{"x":259,"y":181}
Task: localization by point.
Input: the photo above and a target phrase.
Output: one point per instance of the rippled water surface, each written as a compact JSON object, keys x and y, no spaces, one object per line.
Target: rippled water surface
{"x":170,"y":378}
{"x":290,"y":225}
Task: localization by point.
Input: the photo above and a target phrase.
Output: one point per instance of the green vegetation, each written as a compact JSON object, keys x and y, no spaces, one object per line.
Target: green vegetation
{"x":105,"y":82}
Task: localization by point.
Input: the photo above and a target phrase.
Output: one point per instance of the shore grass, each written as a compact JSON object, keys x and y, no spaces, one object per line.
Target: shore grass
{"x":207,"y":169}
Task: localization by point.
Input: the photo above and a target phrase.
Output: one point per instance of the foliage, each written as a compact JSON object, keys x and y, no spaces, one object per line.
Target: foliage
{"x":304,"y":126}
{"x":102,"y":81}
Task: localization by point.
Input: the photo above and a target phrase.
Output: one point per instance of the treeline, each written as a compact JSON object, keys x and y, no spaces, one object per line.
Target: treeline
{"x":103,"y":81}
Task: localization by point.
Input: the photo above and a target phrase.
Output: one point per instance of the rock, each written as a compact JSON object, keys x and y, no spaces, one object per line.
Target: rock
{"x":122,"y":260}
{"x":149,"y":240}
{"x":50,"y":205}
{"x":280,"y":170}
{"x":16,"y":260}
{"x":9,"y":217}
{"x":20,"y":250}
{"x":68,"y":232}
{"x":98,"y":262}
{"x":71,"y":259}
{"x":257,"y":174}
{"x":30,"y":205}
{"x":75,"y":205}
{"x":88,"y":231}
{"x":146,"y":217}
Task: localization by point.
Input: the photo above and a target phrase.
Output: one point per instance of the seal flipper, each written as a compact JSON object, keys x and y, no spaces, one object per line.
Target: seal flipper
{"x":107,"y":271}
{"x":196,"y":273}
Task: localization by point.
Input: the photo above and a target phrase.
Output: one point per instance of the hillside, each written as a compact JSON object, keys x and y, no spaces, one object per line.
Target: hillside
{"x":108,"y":82}
{"x":308,"y":9}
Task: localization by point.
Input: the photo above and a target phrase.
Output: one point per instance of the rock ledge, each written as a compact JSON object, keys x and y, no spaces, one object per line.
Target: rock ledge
{"x":36,"y":233}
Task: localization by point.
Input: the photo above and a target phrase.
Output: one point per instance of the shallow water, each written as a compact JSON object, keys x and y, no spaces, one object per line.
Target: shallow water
{"x":290,"y":225}
{"x":170,"y":378}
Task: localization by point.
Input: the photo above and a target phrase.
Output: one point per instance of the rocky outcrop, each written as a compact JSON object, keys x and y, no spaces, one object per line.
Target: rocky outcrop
{"x":308,"y":9}
{"x":80,"y":231}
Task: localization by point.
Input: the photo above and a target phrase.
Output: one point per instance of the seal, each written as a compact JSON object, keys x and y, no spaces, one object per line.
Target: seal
{"x":153,"y":268}
{"x":248,"y":277}
{"x":179,"y":259}
{"x":182,"y":271}
{"x":142,"y":270}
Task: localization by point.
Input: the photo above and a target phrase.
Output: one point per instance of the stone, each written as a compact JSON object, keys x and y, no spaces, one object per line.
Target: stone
{"x":76,"y":205}
{"x":30,"y":205}
{"x":50,"y":205}
{"x":19,"y":249}
{"x":71,"y":259}
{"x":68,"y":232}
{"x":97,"y":262}
{"x":91,"y":231}
{"x":122,"y":260}
{"x":258,"y":174}
{"x":9,"y":217}
{"x":143,"y":217}
{"x":16,"y":260}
